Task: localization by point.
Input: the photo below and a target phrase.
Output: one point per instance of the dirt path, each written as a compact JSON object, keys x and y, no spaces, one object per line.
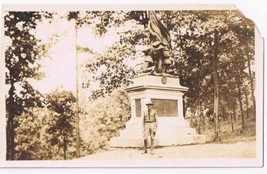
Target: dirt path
{"x":236,"y":150}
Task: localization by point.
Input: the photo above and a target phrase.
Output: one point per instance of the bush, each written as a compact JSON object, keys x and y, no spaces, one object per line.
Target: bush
{"x":103,"y":119}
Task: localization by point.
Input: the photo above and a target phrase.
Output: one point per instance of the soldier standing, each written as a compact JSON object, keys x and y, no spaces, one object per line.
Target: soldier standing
{"x":150,"y":125}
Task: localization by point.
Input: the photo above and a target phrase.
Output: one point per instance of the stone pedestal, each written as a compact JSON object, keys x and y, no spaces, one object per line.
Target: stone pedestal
{"x":166,"y":94}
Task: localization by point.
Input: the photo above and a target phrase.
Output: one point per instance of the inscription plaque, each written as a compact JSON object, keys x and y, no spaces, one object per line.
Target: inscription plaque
{"x":138,"y":107}
{"x":165,"y":107}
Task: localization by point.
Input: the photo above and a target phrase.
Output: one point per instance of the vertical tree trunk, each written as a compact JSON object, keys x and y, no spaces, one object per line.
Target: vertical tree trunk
{"x":199,"y":126}
{"x":199,"y":118}
{"x":203,"y":122}
{"x":240,"y":101}
{"x":77,"y":99}
{"x":234,"y":115}
{"x":247,"y":114}
{"x":65,"y":147}
{"x":251,"y":85}
{"x":216,"y":87}
{"x":193,"y":120}
{"x":224,"y":117}
{"x":232,"y":123}
{"x":7,"y":138}
{"x":184,"y":108}
{"x":11,"y":132}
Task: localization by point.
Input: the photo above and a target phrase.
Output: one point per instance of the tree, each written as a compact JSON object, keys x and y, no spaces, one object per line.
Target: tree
{"x":21,"y":58}
{"x":216,"y":87}
{"x":63,"y":121}
{"x":103,"y":119}
{"x":74,"y":16}
{"x":32,"y":141}
{"x":196,"y":39}
{"x":47,"y":133}
{"x":245,"y":30}
{"x":114,"y":60}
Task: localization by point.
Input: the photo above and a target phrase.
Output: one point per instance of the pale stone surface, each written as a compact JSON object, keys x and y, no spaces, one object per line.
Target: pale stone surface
{"x":144,"y":80}
{"x":173,"y":130}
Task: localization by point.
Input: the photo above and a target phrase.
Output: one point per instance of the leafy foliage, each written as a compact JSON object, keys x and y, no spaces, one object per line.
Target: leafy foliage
{"x":31,"y":139}
{"x":62,"y":124}
{"x":21,"y":63}
{"x":112,"y":68}
{"x":47,"y":133}
{"x":103,"y":119}
{"x":22,"y":55}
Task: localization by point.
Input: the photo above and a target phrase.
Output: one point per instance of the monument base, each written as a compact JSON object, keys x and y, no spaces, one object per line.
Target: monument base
{"x":166,"y":94}
{"x":171,"y":131}
{"x":159,"y":142}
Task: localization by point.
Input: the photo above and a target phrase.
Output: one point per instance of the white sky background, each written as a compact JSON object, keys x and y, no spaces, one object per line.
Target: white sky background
{"x":60,"y":65}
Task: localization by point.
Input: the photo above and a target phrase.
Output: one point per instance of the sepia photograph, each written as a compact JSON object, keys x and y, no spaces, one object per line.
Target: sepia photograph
{"x":131,"y":86}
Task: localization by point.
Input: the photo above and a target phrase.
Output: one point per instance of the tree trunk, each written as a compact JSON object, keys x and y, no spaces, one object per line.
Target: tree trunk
{"x":224,"y":117}
{"x":7,"y":138}
{"x":251,"y":85}
{"x":234,"y":115}
{"x":10,"y":124}
{"x":232,"y":123}
{"x":65,"y":147}
{"x":184,"y":106}
{"x":247,"y":114}
{"x":203,"y":122}
{"x":78,"y":142}
{"x":199,"y":119}
{"x":216,"y":87}
{"x":240,"y":101}
{"x":199,"y":126}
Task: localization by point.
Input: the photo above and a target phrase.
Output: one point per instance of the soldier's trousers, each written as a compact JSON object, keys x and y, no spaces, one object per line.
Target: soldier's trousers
{"x":150,"y":130}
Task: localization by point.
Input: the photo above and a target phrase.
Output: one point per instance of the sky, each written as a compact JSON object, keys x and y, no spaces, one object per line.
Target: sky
{"x":60,"y":64}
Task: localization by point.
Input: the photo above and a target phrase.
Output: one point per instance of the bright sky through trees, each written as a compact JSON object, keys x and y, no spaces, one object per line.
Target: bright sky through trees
{"x":59,"y":65}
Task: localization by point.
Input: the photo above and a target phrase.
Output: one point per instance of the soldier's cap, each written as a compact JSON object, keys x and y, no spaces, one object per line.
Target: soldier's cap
{"x":149,"y":102}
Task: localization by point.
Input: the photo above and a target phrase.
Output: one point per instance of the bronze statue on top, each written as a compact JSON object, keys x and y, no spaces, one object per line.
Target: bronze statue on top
{"x":157,"y":56}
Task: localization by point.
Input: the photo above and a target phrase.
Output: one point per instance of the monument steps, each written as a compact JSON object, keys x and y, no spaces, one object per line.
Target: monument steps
{"x":159,"y":141}
{"x":170,"y":131}
{"x":181,"y":131}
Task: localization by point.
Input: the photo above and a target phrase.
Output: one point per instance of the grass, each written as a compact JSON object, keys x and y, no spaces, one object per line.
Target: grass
{"x":229,"y":136}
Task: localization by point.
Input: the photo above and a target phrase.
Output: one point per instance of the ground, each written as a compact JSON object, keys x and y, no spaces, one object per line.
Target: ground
{"x":235,"y":144}
{"x":211,"y":150}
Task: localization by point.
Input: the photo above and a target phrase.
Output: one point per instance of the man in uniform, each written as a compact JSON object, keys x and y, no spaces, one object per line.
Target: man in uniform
{"x":150,"y":125}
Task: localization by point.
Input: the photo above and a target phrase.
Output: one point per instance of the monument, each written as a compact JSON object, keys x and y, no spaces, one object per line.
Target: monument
{"x":160,"y":83}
